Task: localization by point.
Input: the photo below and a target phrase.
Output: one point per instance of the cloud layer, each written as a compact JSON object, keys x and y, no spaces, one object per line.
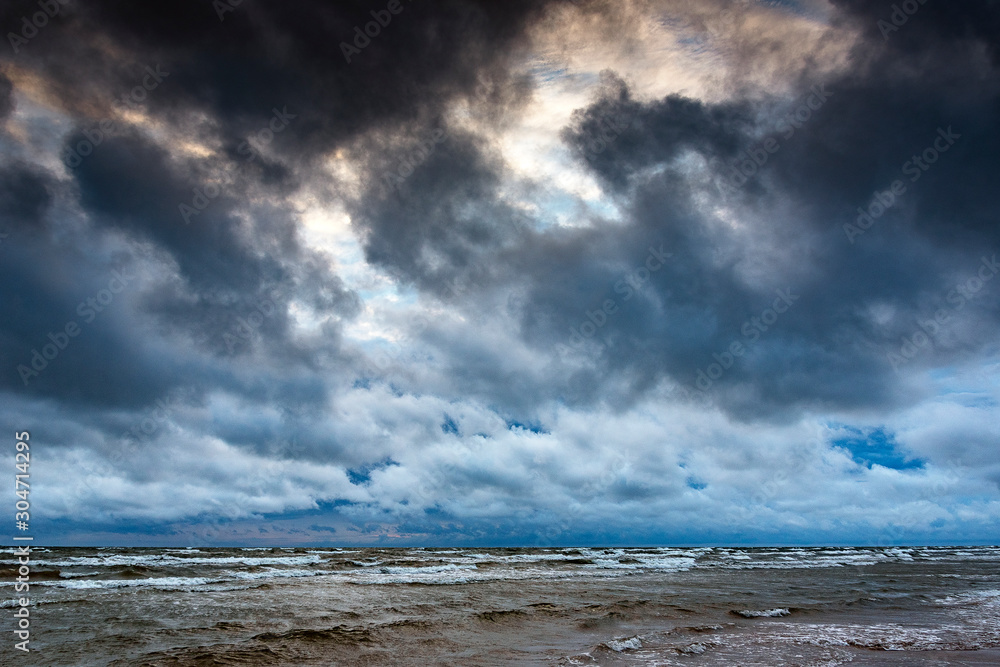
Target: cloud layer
{"x":539,"y":273}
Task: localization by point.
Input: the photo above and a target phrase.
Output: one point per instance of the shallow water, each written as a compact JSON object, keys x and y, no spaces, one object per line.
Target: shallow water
{"x":667,"y":606}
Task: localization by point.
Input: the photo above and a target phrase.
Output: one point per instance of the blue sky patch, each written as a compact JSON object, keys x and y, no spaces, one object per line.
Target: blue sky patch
{"x":363,"y":474}
{"x":878,"y":448}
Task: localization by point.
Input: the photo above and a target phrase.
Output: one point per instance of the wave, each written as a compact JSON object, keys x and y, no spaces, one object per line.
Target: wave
{"x":8,"y":604}
{"x":165,"y":560}
{"x":162,"y":583}
{"x":338,"y":634}
{"x":182,"y":583}
{"x":762,"y":613}
{"x":269,"y":648}
{"x":623,"y":644}
{"x":7,"y":573}
{"x":501,"y":615}
{"x":455,"y":566}
{"x":891,"y":637}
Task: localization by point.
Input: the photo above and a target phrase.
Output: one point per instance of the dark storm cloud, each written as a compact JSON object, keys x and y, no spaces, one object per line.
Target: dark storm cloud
{"x":217,"y":247}
{"x":443,"y":222}
{"x":268,"y":53}
{"x":927,"y":88}
{"x":660,"y":131}
{"x":202,"y":278}
{"x":6,"y":96}
{"x":923,"y":26}
{"x":828,"y":349}
{"x":97,"y":361}
{"x":128,"y":185}
{"x":222,"y":79}
{"x":25,"y":195}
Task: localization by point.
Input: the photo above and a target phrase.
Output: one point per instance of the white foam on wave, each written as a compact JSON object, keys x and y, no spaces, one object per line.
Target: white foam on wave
{"x":980,"y":612}
{"x":447,"y":575}
{"x":429,"y":569}
{"x":625,"y":644}
{"x":407,"y":566}
{"x":764,"y":613}
{"x":693,"y":649}
{"x":182,"y":583}
{"x":879,"y":637}
{"x":662,"y":562}
{"x":165,"y":560}
{"x":961,"y":635}
{"x":519,"y":558}
{"x":963,"y":553}
{"x":7,"y":604}
{"x":277,"y":574}
{"x":802,"y":558}
{"x":665,"y":559}
{"x":162,"y":583}
{"x":986,"y":598}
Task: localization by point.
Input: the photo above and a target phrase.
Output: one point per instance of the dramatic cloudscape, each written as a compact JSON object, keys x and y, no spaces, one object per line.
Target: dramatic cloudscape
{"x":521,"y":272}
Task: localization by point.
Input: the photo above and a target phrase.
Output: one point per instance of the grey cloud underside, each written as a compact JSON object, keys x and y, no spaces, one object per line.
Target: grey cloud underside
{"x":444,"y":221}
{"x":173,"y":334}
{"x":275,"y":54}
{"x":830,"y":350}
{"x":223,"y":81}
{"x":6,"y":96}
{"x":446,"y":225}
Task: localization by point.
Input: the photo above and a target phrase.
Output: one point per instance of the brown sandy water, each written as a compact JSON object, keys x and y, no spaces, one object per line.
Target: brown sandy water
{"x":669,"y":606}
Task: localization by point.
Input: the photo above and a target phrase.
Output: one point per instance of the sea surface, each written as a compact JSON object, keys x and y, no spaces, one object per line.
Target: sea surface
{"x":560,"y":606}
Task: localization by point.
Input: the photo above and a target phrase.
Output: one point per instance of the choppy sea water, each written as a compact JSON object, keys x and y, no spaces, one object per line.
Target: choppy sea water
{"x":586,"y":606}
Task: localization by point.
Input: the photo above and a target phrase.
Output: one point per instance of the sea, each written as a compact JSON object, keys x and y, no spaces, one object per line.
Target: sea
{"x":502,"y":606}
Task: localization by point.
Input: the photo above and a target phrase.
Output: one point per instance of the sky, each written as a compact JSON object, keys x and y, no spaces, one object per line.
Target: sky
{"x":528,"y":273}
